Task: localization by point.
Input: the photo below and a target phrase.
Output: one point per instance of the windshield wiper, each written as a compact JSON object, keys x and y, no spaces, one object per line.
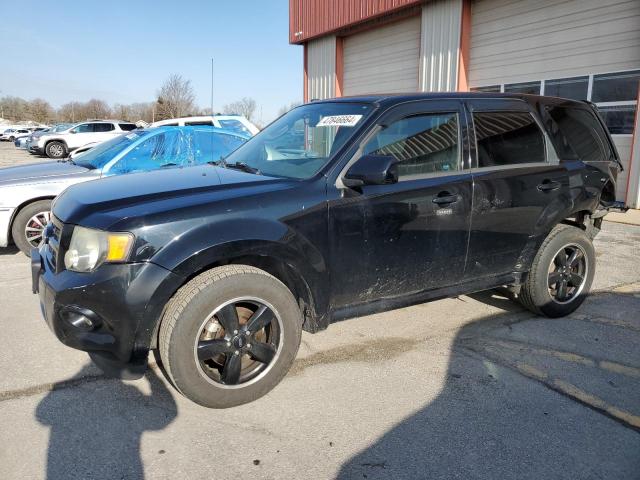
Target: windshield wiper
{"x":67,"y":160}
{"x":244,"y":167}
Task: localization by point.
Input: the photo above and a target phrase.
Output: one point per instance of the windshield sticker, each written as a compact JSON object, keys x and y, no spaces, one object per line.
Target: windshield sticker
{"x":339,"y":121}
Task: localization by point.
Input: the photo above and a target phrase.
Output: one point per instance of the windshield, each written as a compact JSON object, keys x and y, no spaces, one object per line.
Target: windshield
{"x":301,"y":142}
{"x":60,"y":127}
{"x":99,"y":155}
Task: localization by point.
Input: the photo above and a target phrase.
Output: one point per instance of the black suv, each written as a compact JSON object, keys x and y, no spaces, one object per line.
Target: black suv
{"x":339,"y":208}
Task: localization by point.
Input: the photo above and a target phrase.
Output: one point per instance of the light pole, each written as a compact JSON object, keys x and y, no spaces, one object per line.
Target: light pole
{"x":211,"y":85}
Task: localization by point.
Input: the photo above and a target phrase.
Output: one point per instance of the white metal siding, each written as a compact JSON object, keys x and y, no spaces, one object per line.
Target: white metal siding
{"x":525,"y":40}
{"x":383,"y":60}
{"x":440,"y":45}
{"x":623,"y":145}
{"x":321,"y":68}
{"x":633,"y":195}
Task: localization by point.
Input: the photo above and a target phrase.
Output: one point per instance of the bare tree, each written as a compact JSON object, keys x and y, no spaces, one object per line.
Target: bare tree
{"x":14,"y":108}
{"x":95,"y":108}
{"x":40,"y":111}
{"x":175,"y":98}
{"x":245,"y":106}
{"x":285,"y":108}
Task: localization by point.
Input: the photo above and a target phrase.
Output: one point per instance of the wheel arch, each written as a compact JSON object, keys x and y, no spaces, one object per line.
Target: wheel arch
{"x":20,"y":207}
{"x":273,"y":258}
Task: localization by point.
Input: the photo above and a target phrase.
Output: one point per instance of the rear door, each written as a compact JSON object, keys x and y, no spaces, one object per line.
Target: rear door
{"x":396,"y":239}
{"x":519,"y":186}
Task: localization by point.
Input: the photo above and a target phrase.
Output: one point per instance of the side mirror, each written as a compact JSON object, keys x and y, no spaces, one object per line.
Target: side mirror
{"x":372,"y":170}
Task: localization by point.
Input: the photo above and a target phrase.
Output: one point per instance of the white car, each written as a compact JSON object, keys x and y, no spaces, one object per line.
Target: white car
{"x":12,"y":133}
{"x":235,"y":123}
{"x":58,"y":145}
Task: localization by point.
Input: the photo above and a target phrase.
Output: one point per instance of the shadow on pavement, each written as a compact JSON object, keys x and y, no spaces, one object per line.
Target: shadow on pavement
{"x":10,"y":250}
{"x":96,"y":427}
{"x":508,"y":410}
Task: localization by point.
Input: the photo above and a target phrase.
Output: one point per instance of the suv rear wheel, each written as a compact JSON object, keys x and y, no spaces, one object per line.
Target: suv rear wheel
{"x":56,"y":150}
{"x":561,"y":273}
{"x":229,"y":336}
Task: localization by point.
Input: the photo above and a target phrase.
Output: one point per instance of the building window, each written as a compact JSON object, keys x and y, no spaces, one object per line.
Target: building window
{"x":616,"y":87}
{"x":526,"y":87}
{"x":615,"y":94}
{"x":576,"y":88}
{"x":489,"y":89}
{"x":618,"y":118}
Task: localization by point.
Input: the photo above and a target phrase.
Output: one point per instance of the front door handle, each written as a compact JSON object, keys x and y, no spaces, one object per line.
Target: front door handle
{"x":445,"y":198}
{"x":549,"y":185}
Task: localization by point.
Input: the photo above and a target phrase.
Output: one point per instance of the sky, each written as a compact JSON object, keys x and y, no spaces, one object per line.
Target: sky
{"x":121,"y":52}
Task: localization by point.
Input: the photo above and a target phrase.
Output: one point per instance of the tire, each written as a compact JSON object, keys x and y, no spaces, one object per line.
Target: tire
{"x":192,"y":310}
{"x":40,"y":211}
{"x":12,"y":139}
{"x":56,"y":150}
{"x":541,"y":293}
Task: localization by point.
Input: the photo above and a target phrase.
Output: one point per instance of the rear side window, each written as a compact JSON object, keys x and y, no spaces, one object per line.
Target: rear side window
{"x":199,"y":122}
{"x":507,"y":138}
{"x":577,"y":134}
{"x":234,"y":126}
{"x":422,"y":145}
{"x":103,"y":127}
{"x":127,"y":127}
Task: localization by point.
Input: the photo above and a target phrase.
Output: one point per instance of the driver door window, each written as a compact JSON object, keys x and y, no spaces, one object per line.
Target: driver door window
{"x":84,"y":128}
{"x":421,"y":144}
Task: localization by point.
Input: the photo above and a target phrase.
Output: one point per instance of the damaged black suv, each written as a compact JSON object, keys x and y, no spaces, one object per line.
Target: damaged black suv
{"x":337,"y":209}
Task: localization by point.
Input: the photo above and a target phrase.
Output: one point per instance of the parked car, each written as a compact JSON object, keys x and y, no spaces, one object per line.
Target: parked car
{"x":11,"y":134}
{"x":32,"y":142}
{"x":237,"y":123}
{"x":26,"y":191}
{"x":385,"y":202}
{"x":57,"y":145}
{"x":21,"y":142}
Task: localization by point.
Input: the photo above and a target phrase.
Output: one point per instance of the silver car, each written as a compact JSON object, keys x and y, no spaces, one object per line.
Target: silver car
{"x":26,"y":192}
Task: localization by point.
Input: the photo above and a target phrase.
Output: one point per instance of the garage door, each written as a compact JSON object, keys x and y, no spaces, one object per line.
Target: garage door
{"x":383,"y":60}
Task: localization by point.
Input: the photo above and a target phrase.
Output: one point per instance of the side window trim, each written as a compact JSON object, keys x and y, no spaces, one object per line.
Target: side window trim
{"x":551,"y":157}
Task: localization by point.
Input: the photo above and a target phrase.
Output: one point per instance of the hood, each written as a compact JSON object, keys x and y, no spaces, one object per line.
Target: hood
{"x":104,"y":202}
{"x":39,"y":172}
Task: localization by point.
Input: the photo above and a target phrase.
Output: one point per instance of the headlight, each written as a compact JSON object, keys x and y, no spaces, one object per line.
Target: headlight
{"x":91,"y":248}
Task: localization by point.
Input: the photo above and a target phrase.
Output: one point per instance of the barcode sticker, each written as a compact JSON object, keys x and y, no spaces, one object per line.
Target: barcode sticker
{"x":339,"y":121}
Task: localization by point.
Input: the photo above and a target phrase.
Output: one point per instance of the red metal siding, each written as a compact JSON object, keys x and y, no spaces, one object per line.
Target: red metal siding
{"x":314,"y":18}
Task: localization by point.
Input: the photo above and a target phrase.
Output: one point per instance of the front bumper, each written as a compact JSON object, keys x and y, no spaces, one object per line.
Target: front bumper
{"x":5,"y":223}
{"x":124,"y":302}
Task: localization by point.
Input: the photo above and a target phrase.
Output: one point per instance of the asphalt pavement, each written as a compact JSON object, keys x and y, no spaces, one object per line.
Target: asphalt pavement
{"x":473,"y":388}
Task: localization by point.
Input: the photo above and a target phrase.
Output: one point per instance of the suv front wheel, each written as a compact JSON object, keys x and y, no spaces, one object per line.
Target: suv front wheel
{"x":56,"y":150}
{"x":561,"y":273}
{"x":229,"y":336}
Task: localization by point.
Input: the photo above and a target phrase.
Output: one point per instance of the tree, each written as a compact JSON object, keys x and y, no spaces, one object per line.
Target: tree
{"x":70,"y":112}
{"x":40,"y":111}
{"x":95,"y":108}
{"x":175,"y":98}
{"x":285,"y":108}
{"x":245,"y":106}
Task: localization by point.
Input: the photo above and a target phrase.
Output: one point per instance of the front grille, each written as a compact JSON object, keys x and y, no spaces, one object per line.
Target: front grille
{"x":53,"y":241}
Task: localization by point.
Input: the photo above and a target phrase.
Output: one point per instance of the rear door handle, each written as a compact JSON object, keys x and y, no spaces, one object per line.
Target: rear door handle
{"x":549,"y":185}
{"x":444,"y":198}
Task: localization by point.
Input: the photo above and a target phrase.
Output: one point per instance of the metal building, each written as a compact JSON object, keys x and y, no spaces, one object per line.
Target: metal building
{"x":582,"y":49}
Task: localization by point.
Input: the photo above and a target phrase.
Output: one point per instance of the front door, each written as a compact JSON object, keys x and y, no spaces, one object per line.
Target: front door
{"x":397,"y":239}
{"x":518,"y":187}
